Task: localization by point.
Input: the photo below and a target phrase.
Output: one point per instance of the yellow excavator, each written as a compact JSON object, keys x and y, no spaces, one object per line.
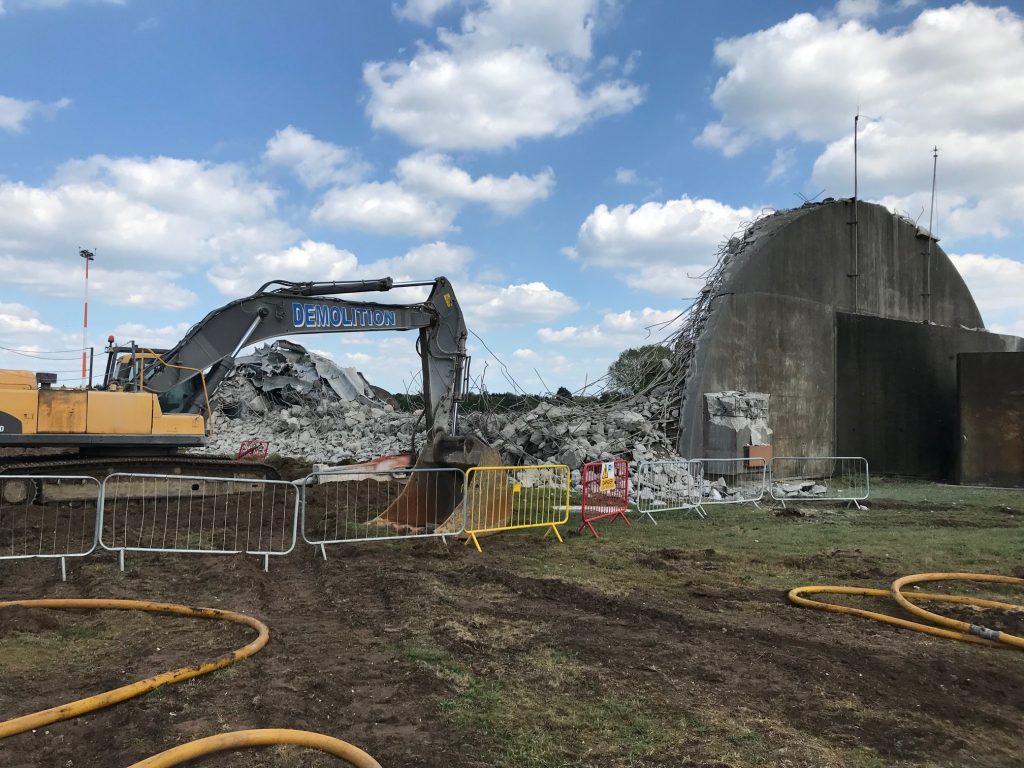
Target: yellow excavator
{"x":153,"y":403}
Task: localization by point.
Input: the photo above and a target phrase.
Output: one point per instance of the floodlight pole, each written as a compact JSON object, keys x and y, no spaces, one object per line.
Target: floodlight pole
{"x":87,"y":256}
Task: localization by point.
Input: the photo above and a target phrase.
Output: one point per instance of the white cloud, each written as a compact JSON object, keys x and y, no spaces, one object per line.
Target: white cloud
{"x":997,"y":284}
{"x":422,"y":11}
{"x":616,"y":330}
{"x":357,"y":358}
{"x":676,"y":229}
{"x":317,"y":163}
{"x":163,"y":337}
{"x":657,"y":246}
{"x":426,"y":196}
{"x":34,"y":5}
{"x":316,"y":261}
{"x":384,"y":208}
{"x":513,"y":72}
{"x":520,"y":304}
{"x":1015,"y":328}
{"x":524,"y":354}
{"x":626,"y":176}
{"x":123,"y":287}
{"x":18,"y":320}
{"x":563,"y":27}
{"x":14,"y":113}
{"x":435,"y":175}
{"x":857,"y":9}
{"x":134,"y":211}
{"x":425,"y":262}
{"x":310,"y":260}
{"x":781,"y":164}
{"x":953,"y":77}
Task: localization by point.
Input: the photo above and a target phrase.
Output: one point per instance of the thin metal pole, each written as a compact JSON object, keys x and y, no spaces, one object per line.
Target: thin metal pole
{"x":87,"y":256}
{"x":931,"y":238}
{"x":855,"y":272}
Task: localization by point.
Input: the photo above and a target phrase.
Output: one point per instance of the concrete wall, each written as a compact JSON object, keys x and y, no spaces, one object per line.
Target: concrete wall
{"x":772,"y":326}
{"x":896,"y":392}
{"x":991,"y":419}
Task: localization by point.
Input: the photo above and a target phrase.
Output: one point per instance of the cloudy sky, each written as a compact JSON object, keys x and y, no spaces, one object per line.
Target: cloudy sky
{"x":570,"y":166}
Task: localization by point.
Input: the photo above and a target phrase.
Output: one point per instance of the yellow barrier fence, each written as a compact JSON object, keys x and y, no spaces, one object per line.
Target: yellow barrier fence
{"x":512,"y":498}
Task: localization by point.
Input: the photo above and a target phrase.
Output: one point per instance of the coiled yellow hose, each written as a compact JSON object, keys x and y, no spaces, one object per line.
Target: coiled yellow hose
{"x":960,"y":630}
{"x":259,"y":738}
{"x":192,"y":750}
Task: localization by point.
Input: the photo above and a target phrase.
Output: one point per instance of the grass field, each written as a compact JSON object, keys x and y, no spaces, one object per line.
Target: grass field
{"x":666,"y":645}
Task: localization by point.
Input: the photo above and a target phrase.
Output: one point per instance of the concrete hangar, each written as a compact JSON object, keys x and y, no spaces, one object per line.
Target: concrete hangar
{"x":868,"y":342}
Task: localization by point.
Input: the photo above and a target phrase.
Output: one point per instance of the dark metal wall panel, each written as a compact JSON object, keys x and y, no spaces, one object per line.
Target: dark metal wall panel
{"x":991,"y":400}
{"x":896,"y":392}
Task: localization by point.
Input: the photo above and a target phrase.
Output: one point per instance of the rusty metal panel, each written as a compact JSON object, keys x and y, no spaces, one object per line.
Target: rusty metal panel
{"x":991,"y":400}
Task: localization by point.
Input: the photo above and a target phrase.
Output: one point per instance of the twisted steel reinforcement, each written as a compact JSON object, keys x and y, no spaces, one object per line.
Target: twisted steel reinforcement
{"x":958,"y":630}
{"x":180,"y":754}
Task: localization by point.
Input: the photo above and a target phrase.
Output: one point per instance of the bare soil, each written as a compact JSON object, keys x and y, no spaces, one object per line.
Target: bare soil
{"x":612,"y":653}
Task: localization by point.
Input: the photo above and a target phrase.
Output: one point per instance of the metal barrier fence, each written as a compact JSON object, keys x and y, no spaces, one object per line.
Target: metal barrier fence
{"x":820,"y":478}
{"x":730,"y":481}
{"x":513,"y":498}
{"x":381,"y":505}
{"x":605,"y":492}
{"x":668,"y":486}
{"x":48,"y":516}
{"x":198,"y":515}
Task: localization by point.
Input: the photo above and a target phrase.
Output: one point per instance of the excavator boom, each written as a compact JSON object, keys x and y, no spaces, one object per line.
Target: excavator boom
{"x":156,"y":401}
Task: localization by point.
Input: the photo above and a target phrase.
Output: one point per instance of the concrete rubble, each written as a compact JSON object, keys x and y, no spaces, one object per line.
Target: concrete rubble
{"x":807,"y":489}
{"x":292,"y":398}
{"x":734,"y":420}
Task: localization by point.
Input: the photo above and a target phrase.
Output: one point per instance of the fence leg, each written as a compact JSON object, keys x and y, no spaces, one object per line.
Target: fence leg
{"x":63,"y":570}
{"x":266,"y":563}
{"x":472,"y":538}
{"x":120,"y":559}
{"x":323,"y":550}
{"x":649,"y":516}
{"x":557,"y":534}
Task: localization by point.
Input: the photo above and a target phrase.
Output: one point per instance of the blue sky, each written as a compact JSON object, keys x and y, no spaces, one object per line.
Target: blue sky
{"x":570,"y":166}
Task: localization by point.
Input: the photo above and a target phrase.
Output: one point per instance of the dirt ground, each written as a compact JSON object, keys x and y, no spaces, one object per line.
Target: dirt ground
{"x":668,"y":645}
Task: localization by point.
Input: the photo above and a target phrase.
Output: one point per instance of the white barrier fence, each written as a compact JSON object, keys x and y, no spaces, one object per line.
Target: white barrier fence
{"x":198,"y":515}
{"x":668,"y":486}
{"x":345,"y":507}
{"x":730,"y":481}
{"x":61,"y":517}
{"x":820,"y":478}
{"x":48,"y":517}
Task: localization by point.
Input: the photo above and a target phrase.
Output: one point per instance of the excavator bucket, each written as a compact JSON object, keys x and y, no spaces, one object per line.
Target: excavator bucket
{"x":432,"y":502}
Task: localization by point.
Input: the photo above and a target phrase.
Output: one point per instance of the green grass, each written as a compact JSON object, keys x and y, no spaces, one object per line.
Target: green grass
{"x":914,"y":527}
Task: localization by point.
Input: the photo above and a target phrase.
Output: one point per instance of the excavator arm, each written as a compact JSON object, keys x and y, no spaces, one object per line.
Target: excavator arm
{"x":186,"y":376}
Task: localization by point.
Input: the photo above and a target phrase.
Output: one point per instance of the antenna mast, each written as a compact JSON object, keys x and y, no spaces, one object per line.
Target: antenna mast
{"x":931,"y":238}
{"x":855,"y":265}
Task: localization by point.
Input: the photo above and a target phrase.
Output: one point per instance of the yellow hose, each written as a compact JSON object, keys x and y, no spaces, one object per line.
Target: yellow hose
{"x":192,"y":750}
{"x":101,"y":700}
{"x":259,"y":738}
{"x":962,"y":631}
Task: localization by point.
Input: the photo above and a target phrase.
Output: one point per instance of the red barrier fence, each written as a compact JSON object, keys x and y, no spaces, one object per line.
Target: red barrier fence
{"x":605,"y":492}
{"x":253,"y":450}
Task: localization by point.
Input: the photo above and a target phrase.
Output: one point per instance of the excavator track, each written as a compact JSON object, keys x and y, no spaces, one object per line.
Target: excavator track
{"x":24,"y":491}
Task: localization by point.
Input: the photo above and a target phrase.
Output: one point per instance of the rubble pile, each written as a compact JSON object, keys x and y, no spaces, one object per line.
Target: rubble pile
{"x":303,"y":405}
{"x":807,"y":489}
{"x":307,"y":407}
